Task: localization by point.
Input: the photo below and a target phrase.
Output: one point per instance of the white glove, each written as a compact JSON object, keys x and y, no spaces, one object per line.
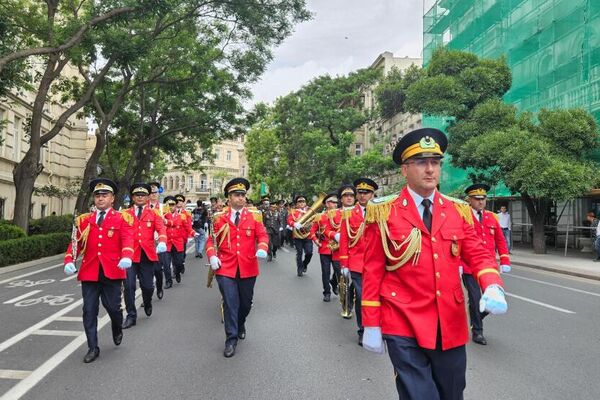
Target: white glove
{"x":124,"y":263}
{"x":298,"y":225}
{"x":70,"y":268}
{"x":215,"y":263}
{"x":261,"y":253}
{"x":505,"y":268}
{"x":290,"y":228}
{"x":372,"y":340}
{"x":460,"y":270}
{"x":161,"y":247}
{"x":493,"y":300}
{"x":280,"y":229}
{"x":346,"y":272}
{"x":206,"y":226}
{"x":196,"y":234}
{"x":337,"y":237}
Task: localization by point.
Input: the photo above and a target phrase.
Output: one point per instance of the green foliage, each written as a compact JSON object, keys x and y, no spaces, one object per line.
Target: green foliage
{"x":23,"y":249}
{"x":51,"y":224}
{"x":8,"y":232}
{"x":391,"y":90}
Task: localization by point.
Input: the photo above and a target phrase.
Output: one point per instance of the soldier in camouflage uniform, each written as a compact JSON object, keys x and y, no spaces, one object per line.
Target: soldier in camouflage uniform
{"x":273,"y":224}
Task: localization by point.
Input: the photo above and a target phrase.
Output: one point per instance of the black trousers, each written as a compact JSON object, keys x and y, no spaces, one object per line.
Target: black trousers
{"x":327,"y":263}
{"x":109,"y":292}
{"x":306,"y":246}
{"x":175,"y":257}
{"x":165,"y":261}
{"x":237,"y":296}
{"x":474,"y":292}
{"x":356,"y":288}
{"x":427,"y":374}
{"x":273,"y":242}
{"x":144,"y":272}
{"x":158,"y":274}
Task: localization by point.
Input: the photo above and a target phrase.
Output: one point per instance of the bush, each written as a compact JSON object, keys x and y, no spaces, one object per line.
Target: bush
{"x":51,"y":224}
{"x":5,"y":222}
{"x":8,"y":232}
{"x":23,"y":249}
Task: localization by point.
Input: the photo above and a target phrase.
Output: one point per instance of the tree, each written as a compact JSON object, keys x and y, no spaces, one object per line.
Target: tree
{"x":391,"y":90}
{"x":543,"y":161}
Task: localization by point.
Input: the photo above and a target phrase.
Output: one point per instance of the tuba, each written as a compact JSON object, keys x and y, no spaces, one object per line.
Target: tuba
{"x":308,"y":217}
{"x":345,"y":292}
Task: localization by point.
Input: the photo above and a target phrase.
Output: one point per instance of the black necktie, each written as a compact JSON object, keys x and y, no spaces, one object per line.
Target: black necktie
{"x":479,"y":216}
{"x":139,"y":214}
{"x":237,"y":218}
{"x":427,"y":213}
{"x":101,"y":219}
{"x":152,"y":206}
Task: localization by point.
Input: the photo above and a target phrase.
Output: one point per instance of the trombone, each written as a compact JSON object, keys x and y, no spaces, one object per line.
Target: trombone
{"x":345,"y":291}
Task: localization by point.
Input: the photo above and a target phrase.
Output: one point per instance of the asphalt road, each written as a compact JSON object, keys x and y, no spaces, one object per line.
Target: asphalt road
{"x":297,"y":346}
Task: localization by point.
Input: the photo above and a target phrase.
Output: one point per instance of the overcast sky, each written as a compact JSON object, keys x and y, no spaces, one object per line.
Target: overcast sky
{"x":344,"y":35}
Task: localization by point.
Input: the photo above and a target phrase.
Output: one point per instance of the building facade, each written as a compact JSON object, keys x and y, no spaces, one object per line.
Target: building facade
{"x":63,"y":158}
{"x":553,"y":50}
{"x":209,"y":179}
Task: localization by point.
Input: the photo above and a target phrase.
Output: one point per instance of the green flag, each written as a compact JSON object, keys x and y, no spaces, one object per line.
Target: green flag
{"x":264,"y":189}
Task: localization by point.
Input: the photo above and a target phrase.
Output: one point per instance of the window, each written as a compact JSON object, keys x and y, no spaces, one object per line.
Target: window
{"x":43,"y":211}
{"x":176,"y":183}
{"x":190,"y":182}
{"x":217,"y":153}
{"x":228,"y":157}
{"x":203,"y":182}
{"x":216,"y":185}
{"x":243,"y":171}
{"x":2,"y":203}
{"x":358,"y":149}
{"x":2,"y":130}
{"x":170,"y":183}
{"x":17,"y":124}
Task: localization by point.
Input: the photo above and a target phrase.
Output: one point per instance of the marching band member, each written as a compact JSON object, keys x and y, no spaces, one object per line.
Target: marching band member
{"x":300,"y":235}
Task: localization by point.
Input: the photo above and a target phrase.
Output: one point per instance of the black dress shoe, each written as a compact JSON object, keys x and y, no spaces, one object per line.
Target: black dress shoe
{"x":118,"y":337}
{"x":200,"y":255}
{"x":335,"y":290}
{"x":327,"y":298}
{"x":178,"y":278}
{"x":159,"y":293}
{"x":299,"y":273}
{"x":360,"y":339}
{"x":148,"y":309}
{"x":304,"y":269}
{"x":229,"y":351}
{"x":197,"y":255}
{"x":182,"y":270}
{"x":242,"y":333}
{"x":128,"y":323}
{"x":479,"y":339}
{"x":169,"y":285}
{"x":91,"y":355}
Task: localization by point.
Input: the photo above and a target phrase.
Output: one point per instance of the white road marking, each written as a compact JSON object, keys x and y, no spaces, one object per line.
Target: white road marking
{"x":30,"y":273}
{"x":21,"y":388}
{"x":20,"y":336}
{"x":13,"y":374}
{"x":284,"y":249}
{"x":539,"y":303}
{"x":68,"y":278}
{"x":24,"y":296}
{"x":69,"y":319}
{"x":53,"y":332}
{"x":552,"y":284}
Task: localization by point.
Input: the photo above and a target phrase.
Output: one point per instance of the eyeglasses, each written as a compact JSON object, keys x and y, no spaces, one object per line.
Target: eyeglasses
{"x":154,"y":192}
{"x":424,"y":162}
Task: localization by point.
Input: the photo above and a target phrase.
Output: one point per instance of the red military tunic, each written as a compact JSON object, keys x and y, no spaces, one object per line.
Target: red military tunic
{"x":410,"y":300}
{"x":332,"y":226}
{"x":236,"y":245}
{"x":352,"y":243}
{"x":144,"y":230}
{"x":104,"y":245}
{"x":490,"y":232}
{"x":179,"y":229}
{"x":293,"y":217}
{"x":324,"y":225}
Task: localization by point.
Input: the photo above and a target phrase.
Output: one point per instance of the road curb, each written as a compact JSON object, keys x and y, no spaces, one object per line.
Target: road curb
{"x":557,"y":270}
{"x":29,"y":264}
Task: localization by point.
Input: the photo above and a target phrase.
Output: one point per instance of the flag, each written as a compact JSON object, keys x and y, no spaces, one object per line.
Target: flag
{"x":264,"y":189}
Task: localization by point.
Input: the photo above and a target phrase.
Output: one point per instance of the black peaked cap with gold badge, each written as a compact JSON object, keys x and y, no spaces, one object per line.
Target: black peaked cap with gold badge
{"x":237,"y":185}
{"x":345,"y":189}
{"x":362,"y":184}
{"x":156,"y":184}
{"x":331,"y":196}
{"x":298,"y":197}
{"x":478,"y":190}
{"x":139,"y":187}
{"x":180,"y":197}
{"x":420,"y":143}
{"x":103,"y":185}
{"x":170,"y":200}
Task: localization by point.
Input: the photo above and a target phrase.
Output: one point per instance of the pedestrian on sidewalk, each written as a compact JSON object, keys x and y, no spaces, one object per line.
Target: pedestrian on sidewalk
{"x":238,"y":231}
{"x":105,"y":237}
{"x":412,"y":295}
{"x":200,"y":226}
{"x":506,"y":225}
{"x":597,"y":240}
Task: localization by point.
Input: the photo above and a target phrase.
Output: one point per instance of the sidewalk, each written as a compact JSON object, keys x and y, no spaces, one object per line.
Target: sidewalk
{"x":575,"y":263}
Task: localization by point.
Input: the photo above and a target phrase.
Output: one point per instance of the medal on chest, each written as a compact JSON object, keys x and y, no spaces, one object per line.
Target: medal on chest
{"x":149,"y":224}
{"x":454,"y":249}
{"x":248,"y":232}
{"x":110,"y":233}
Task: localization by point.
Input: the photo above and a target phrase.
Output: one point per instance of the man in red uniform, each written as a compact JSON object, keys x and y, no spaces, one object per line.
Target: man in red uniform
{"x":488,"y":229}
{"x":412,"y":292}
{"x":105,"y":238}
{"x":300,"y":235}
{"x":179,"y":229}
{"x":146,"y":223}
{"x":328,"y":221}
{"x":238,"y":231}
{"x":352,"y":244}
{"x":154,"y":204}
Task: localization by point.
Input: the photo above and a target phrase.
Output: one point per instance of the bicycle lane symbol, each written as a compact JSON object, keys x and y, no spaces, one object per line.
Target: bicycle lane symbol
{"x":48,"y":299}
{"x":27,"y":283}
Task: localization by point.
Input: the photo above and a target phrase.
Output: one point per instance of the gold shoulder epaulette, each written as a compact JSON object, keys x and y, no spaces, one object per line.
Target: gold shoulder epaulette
{"x":127,"y":217}
{"x":378,"y":209}
{"x":495,"y":216}
{"x":331,"y":213}
{"x":463,"y":208}
{"x":347,"y":212}
{"x":81,"y":218}
{"x":157,"y":211}
{"x":217,"y":215}
{"x":256,"y":214}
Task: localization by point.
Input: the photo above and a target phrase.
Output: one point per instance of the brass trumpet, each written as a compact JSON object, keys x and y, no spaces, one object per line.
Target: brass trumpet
{"x":307,"y":218}
{"x":345,"y":292}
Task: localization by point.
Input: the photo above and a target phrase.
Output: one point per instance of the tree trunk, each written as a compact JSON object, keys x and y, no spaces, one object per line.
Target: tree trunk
{"x":537,"y":209}
{"x":24,"y":176}
{"x":90,"y":172}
